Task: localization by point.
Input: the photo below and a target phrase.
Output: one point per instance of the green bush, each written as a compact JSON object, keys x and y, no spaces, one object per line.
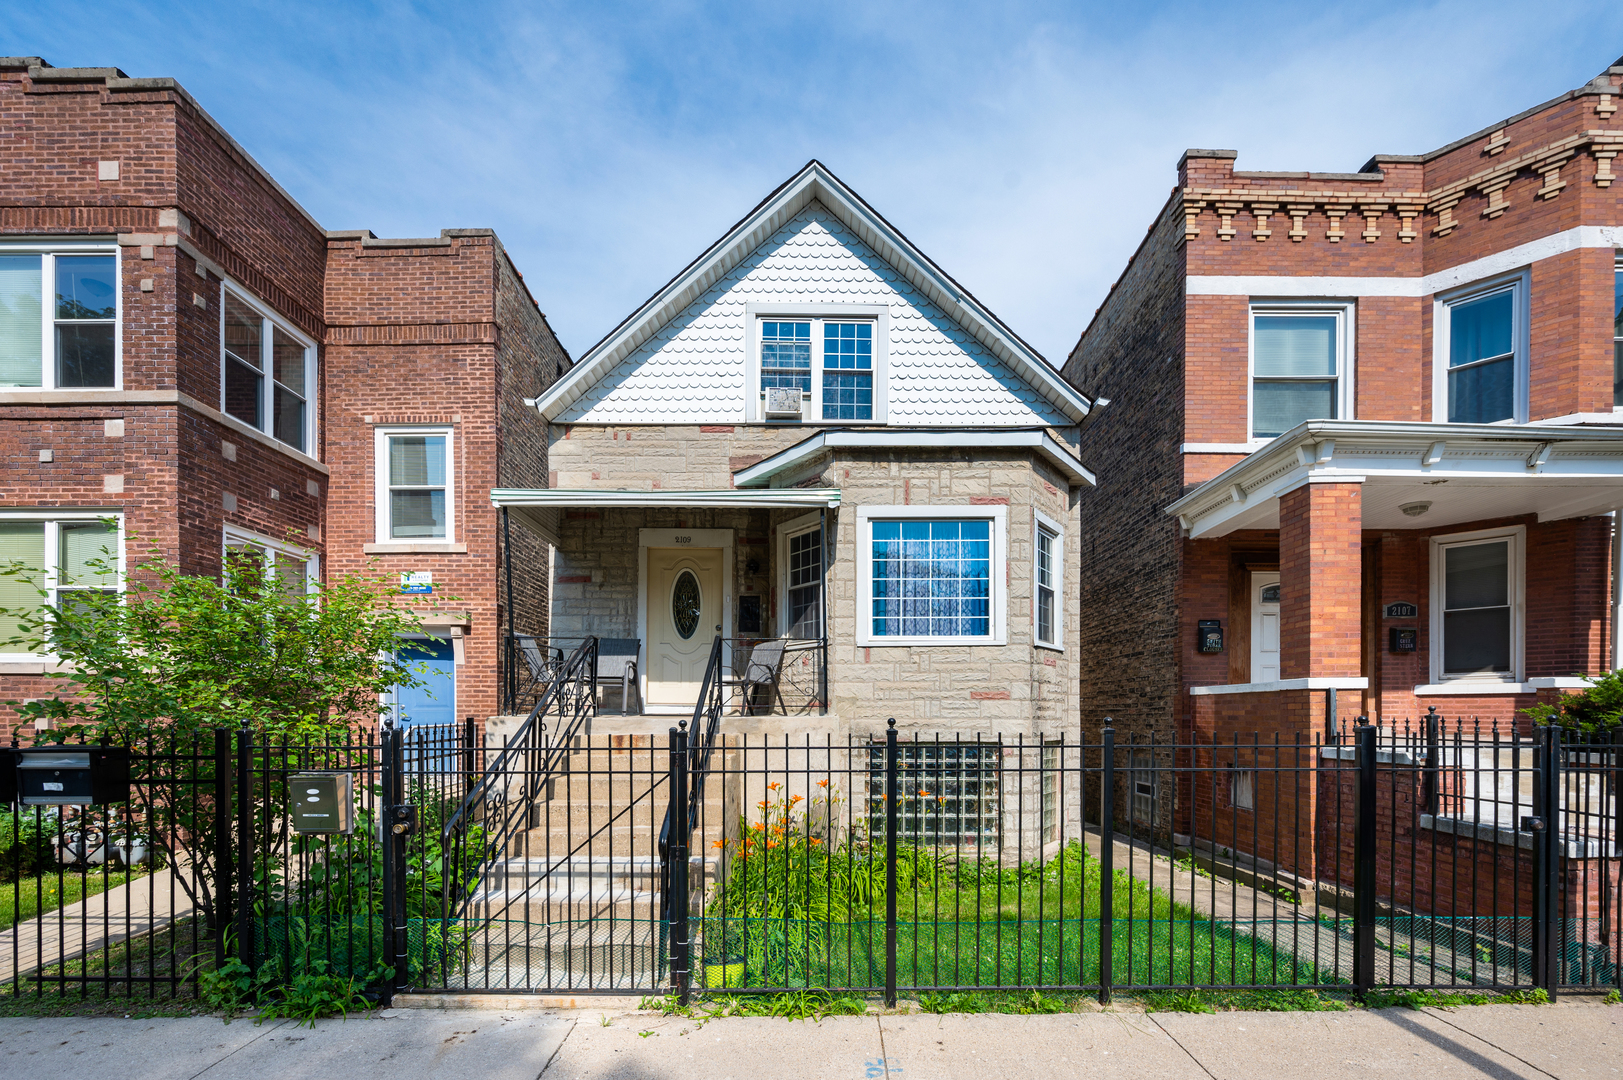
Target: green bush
{"x":25,"y":846}
{"x":1597,"y":709}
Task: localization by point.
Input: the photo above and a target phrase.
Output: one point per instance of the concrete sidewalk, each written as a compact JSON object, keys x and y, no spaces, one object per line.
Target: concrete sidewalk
{"x":1508,"y":1042}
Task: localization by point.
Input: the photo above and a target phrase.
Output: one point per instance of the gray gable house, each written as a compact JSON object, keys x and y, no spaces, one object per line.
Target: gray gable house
{"x":815,"y":444}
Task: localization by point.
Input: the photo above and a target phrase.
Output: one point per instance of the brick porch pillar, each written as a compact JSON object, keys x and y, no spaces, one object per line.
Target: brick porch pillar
{"x":1321,"y":579}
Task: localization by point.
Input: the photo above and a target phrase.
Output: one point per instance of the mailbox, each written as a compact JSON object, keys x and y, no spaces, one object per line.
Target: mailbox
{"x":1209,"y":636}
{"x":1402,"y":639}
{"x":72,"y":775}
{"x":322,"y":802}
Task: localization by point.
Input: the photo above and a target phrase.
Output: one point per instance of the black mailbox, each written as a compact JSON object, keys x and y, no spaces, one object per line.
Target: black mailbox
{"x":1402,"y":639}
{"x":72,"y":775}
{"x":322,"y":802}
{"x":1209,"y":636}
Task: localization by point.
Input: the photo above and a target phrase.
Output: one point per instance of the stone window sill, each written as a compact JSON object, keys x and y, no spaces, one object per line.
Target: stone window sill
{"x":414,"y":549}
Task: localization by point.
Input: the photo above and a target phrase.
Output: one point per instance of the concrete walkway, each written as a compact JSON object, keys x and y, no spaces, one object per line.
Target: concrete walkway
{"x":1573,"y":1040}
{"x":147,"y":903}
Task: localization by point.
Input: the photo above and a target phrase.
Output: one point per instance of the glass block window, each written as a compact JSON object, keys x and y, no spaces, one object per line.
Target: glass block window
{"x":1144,"y":785}
{"x":950,"y":793}
{"x":847,"y":371}
{"x":1050,"y":791}
{"x":932,"y":578}
{"x":786,"y":355}
{"x":1296,"y":370}
{"x":68,"y":341}
{"x":417,"y":487}
{"x":1477,"y":609}
{"x":806,"y":584}
{"x":1482,"y":359}
{"x":1242,"y":789}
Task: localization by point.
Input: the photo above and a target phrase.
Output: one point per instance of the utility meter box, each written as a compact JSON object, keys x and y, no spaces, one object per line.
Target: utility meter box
{"x":72,"y":775}
{"x":322,"y":802}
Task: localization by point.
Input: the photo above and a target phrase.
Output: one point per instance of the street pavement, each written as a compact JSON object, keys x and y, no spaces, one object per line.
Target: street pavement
{"x":1578,"y":1038}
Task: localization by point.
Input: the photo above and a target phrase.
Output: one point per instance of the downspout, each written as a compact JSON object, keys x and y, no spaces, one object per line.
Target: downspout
{"x":507,"y":557}
{"x":822,"y":613}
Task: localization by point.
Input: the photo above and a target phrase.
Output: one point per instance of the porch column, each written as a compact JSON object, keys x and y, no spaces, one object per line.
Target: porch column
{"x":1320,"y":578}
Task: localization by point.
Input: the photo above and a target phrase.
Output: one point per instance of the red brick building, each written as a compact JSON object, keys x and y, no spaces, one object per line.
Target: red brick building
{"x":1363,"y":439}
{"x":184,"y":349}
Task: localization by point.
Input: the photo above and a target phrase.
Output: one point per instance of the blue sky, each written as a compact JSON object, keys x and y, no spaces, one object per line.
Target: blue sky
{"x":1024,"y":145}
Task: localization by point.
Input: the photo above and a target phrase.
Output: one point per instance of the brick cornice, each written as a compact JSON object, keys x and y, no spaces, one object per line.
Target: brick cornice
{"x":460,"y":333}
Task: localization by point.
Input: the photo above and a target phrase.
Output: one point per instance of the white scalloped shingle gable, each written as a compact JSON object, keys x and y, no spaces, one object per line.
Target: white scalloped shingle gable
{"x":691,"y":371}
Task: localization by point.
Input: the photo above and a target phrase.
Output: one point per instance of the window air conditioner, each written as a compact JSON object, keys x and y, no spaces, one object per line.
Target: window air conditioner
{"x":783,"y":401}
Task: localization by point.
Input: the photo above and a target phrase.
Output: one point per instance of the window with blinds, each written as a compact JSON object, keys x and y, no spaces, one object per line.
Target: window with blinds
{"x":1297,"y":365}
{"x":58,"y":563}
{"x":70,"y":340}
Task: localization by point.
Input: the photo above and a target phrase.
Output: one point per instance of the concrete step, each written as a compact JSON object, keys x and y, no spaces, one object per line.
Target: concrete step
{"x":585,"y":880}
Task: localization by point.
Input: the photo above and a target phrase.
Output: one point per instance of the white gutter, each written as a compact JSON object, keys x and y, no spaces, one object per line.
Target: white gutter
{"x":1045,"y":444}
{"x":576,"y":498}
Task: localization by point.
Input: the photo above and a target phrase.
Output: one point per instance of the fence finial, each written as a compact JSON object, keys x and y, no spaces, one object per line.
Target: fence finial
{"x":891,"y":721}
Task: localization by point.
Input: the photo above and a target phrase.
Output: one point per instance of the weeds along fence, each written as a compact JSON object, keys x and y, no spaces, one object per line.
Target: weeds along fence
{"x":1428,"y":855}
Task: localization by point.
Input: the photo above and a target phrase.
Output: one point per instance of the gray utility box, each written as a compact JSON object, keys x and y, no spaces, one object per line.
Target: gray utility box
{"x":71,"y":775}
{"x":322,"y":802}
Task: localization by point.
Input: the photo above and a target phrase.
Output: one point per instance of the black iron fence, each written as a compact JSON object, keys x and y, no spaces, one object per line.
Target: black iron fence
{"x":1431,"y":855}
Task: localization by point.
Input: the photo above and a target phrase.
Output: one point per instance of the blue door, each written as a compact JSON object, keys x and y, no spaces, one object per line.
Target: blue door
{"x":434,"y":702}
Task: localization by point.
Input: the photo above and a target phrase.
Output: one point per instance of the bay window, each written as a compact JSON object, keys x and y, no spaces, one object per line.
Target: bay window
{"x":267,"y":375}
{"x":932,"y":574}
{"x":67,"y":339}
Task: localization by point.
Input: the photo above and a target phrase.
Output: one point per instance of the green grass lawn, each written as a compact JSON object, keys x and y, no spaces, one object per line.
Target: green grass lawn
{"x":27,"y":897}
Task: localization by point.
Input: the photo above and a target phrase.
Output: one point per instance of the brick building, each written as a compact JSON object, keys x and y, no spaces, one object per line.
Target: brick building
{"x":185,"y":350}
{"x":1363,"y":441}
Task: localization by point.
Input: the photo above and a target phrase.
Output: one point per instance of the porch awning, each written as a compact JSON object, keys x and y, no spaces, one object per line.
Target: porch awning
{"x":1418,"y":475}
{"x":537,"y":509}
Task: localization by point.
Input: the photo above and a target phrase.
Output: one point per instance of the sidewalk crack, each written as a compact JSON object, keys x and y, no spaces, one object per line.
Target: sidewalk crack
{"x":1180,"y":1046}
{"x":560,"y":1049}
{"x":274,"y":1027}
{"x":1437,"y":1015}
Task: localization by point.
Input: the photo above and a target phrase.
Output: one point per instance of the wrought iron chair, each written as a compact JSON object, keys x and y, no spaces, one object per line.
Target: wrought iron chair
{"x":617,"y":659}
{"x":541,"y":666}
{"x":759,"y":679}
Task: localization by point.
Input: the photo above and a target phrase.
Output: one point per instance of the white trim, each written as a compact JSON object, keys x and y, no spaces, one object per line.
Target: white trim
{"x":780,"y":546}
{"x":1517,"y":555}
{"x":380,"y":484}
{"x":1223,"y":447}
{"x":1358,"y":683}
{"x":761,"y":473}
{"x":272,"y":325}
{"x":1344,"y":313}
{"x":1473,"y":688}
{"x":312,"y":561}
{"x":1265,"y":285}
{"x":51,"y":518}
{"x":757,"y":313}
{"x":48,"y":248}
{"x":814,"y":183}
{"x":1518,"y":285}
{"x":1614,"y":417}
{"x":782,"y":498}
{"x":1546,"y":683}
{"x":697,"y":539}
{"x":1042,"y":522}
{"x":997,"y":515}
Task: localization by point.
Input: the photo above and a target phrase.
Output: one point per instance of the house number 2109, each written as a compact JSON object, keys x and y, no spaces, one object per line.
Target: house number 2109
{"x":684,"y":539}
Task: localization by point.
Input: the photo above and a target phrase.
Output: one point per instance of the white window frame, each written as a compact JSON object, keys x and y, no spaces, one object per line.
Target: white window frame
{"x":272,"y":325}
{"x":48,"y":250}
{"x":812,"y":403}
{"x":1519,"y":284}
{"x":380,"y":490}
{"x":1041,"y":524}
{"x":1345,"y":313}
{"x":1617,"y":276}
{"x":52,"y":520}
{"x":312,"y":561}
{"x":1517,"y":535}
{"x":787,"y":531}
{"x":997,"y":515}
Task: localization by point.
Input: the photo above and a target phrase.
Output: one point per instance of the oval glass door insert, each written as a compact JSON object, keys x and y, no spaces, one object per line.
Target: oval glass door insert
{"x":685,"y":604}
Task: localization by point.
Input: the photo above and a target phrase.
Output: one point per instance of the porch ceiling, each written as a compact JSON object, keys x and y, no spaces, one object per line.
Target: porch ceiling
{"x":1466,"y":472}
{"x":537,"y":508}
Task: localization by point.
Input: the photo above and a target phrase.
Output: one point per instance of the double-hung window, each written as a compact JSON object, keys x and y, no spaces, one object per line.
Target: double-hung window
{"x":1617,"y":337}
{"x":805,"y":583}
{"x":1482,"y":354}
{"x":294,"y":570}
{"x":64,"y":559}
{"x":415,"y":490}
{"x":1299,"y":362}
{"x":65,"y":337}
{"x":832,"y":354}
{"x":1047,"y":571}
{"x":932,"y":574}
{"x":1476,"y":606}
{"x":267,"y":372}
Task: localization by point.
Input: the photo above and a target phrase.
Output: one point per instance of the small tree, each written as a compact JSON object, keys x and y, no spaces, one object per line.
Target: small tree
{"x":161,"y":665}
{"x":1599,"y":708}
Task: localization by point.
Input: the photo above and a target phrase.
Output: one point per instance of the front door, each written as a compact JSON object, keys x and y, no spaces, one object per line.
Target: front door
{"x":1265,"y":627}
{"x":684,"y":611}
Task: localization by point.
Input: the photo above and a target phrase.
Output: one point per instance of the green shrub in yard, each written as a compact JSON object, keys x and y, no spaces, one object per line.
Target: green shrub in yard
{"x":1598,"y":709}
{"x":25,"y":846}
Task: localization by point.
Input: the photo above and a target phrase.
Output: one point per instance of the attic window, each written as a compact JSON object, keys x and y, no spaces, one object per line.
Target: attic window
{"x":817,"y":363}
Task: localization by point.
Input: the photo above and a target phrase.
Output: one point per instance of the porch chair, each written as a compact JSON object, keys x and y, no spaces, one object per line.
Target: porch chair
{"x":760,"y":676}
{"x":617,"y":659}
{"x":541,"y":666}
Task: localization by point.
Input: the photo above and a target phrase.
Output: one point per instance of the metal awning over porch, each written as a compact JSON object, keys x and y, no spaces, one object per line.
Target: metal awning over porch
{"x":537,"y":509}
{"x":1418,"y":475}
